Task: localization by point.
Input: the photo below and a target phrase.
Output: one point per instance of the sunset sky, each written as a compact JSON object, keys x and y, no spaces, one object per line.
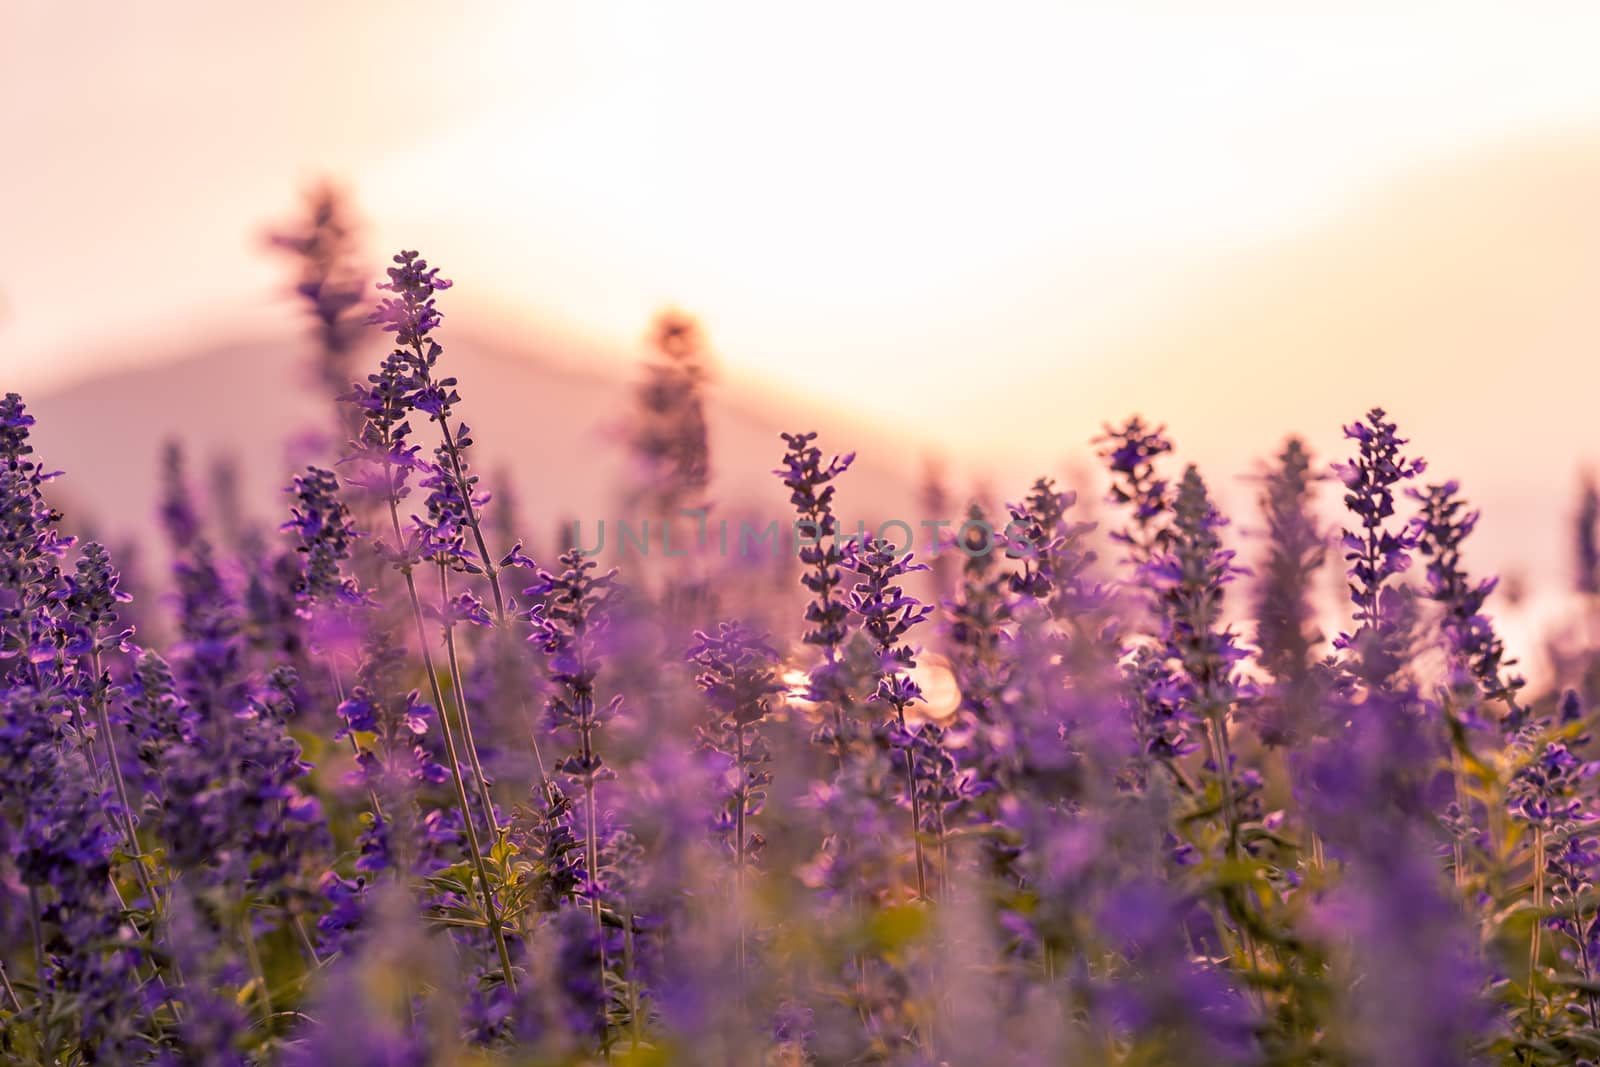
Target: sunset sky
{"x":833,"y":187}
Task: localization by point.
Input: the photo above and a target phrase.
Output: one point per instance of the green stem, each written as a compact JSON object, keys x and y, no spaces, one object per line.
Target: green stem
{"x":355,"y":746}
{"x":634,"y":1022}
{"x":1538,"y":918}
{"x":738,"y":884}
{"x":130,"y":831}
{"x":490,"y":569}
{"x":916,"y":812}
{"x":491,"y":913}
{"x":459,"y":692}
{"x":260,"y":974}
{"x":1222,"y":757}
{"x":5,"y":980}
{"x":305,"y":941}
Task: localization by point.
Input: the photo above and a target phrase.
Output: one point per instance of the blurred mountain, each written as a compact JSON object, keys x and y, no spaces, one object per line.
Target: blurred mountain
{"x":551,"y":430}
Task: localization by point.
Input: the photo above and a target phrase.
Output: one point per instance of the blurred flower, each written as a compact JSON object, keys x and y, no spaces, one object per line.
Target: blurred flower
{"x":1285,"y":619}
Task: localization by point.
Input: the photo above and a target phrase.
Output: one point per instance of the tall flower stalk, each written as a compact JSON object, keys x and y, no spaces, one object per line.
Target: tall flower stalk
{"x":1189,"y":580}
{"x":1476,"y":666}
{"x":1377,"y":551}
{"x":441,"y":539}
{"x":809,"y":481}
{"x":399,"y":387}
{"x":887,"y":615}
{"x":411,"y":315}
{"x":92,"y":596}
{"x":1130,"y":452}
{"x":572,"y":615}
{"x":331,"y":281}
{"x":737,"y":672}
{"x":978,"y":620}
{"x":671,"y":456}
{"x":1286,"y":630}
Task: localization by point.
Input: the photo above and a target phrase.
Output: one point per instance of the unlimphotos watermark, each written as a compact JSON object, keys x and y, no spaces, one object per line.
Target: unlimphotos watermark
{"x":747,"y":538}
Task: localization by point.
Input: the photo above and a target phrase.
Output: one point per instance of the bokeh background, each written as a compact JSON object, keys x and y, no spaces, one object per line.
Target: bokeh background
{"x":953,"y":239}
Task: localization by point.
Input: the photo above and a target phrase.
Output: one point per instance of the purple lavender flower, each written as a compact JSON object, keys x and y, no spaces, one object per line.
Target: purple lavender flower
{"x":324,"y":532}
{"x":1375,"y":552}
{"x":1189,"y":579}
{"x":977,"y":624}
{"x":809,"y":481}
{"x":155,"y":715}
{"x":1548,"y":795}
{"x":398,"y":761}
{"x":738,"y":675}
{"x":1163,"y":713}
{"x":213,"y":1026}
{"x":568,"y":626}
{"x":442,"y":534}
{"x":405,"y":383}
{"x":544,"y":833}
{"x":569,"y":621}
{"x":887,"y":615}
{"x":397,"y":768}
{"x":91,"y":603}
{"x":211,"y":665}
{"x":382,"y":450}
{"x":1056,"y":559}
{"x":411,"y":313}
{"x":1130,"y":453}
{"x":233,"y":810}
{"x":1477,"y":656}
{"x":62,"y":850}
{"x":31,"y":548}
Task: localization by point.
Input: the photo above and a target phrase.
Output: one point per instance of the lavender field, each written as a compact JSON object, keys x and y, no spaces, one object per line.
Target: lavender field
{"x":721,"y":534}
{"x":387,"y":785}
